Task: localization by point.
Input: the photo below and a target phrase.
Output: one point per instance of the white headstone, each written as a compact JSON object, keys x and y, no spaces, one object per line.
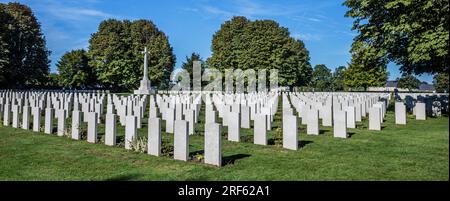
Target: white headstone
{"x":15,"y":116}
{"x":130,"y":131}
{"x":213,"y":144}
{"x":36,"y":119}
{"x":61,"y":116}
{"x":400,"y":113}
{"x":290,"y":137}
{"x":92,"y":127}
{"x":170,"y":118}
{"x":154,"y":137}
{"x":110,"y":129}
{"x":181,"y":140}
{"x":351,"y":113}
{"x":340,"y":124}
{"x":49,"y":113}
{"x":260,"y":131}
{"x":312,"y":127}
{"x":26,"y":117}
{"x":245,"y":117}
{"x":234,"y":126}
{"x":76,"y":120}
{"x":420,"y":111}
{"x":375,"y":118}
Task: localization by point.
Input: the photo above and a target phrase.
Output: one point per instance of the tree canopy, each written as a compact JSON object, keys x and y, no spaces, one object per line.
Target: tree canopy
{"x":412,"y":33}
{"x":321,"y":78}
{"x":338,"y":78}
{"x":260,"y":44}
{"x":74,"y":70}
{"x":408,"y":82}
{"x":441,"y":83}
{"x":365,"y":69}
{"x":189,"y":64}
{"x":115,"y":52}
{"x":23,"y":55}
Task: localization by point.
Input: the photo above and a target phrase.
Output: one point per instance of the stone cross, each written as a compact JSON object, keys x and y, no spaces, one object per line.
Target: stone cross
{"x":145,"y":52}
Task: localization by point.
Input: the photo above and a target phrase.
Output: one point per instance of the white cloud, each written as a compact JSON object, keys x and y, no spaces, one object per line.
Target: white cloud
{"x":77,"y":13}
{"x":314,"y":19}
{"x":247,"y":8}
{"x":189,"y":9}
{"x":216,"y":11}
{"x":307,"y":36}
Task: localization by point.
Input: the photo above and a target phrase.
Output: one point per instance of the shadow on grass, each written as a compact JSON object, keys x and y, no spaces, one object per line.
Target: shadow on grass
{"x":126,"y":177}
{"x":228,"y":160}
{"x":303,"y":143}
{"x":350,"y":134}
{"x":271,"y":141}
{"x":193,"y":153}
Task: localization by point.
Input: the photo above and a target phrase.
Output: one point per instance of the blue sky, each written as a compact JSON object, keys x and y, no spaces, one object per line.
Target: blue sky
{"x":327,"y":34}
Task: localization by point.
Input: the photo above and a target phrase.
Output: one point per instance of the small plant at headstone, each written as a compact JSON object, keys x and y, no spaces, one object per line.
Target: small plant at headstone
{"x":83,"y":134}
{"x":67,"y":132}
{"x":121,"y":144}
{"x":139,"y":144}
{"x":166,"y":148}
{"x":199,"y":157}
{"x":102,"y":139}
{"x":278,"y":137}
{"x":247,"y":138}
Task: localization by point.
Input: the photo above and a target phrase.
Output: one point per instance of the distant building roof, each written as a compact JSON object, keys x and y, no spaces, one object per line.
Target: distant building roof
{"x":391,"y":83}
{"x":426,"y":87}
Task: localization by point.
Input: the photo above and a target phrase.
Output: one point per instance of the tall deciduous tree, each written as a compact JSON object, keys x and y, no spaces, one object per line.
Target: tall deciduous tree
{"x":412,"y":33}
{"x":365,"y":69}
{"x":261,"y":44}
{"x":189,"y":64}
{"x":409,"y":82}
{"x":74,"y":70}
{"x":23,"y":55}
{"x":116,"y":49}
{"x":321,"y":78}
{"x":441,"y":83}
{"x":338,"y":78}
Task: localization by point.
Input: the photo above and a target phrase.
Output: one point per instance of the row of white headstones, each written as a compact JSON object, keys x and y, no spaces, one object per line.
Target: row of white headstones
{"x":180,"y":112}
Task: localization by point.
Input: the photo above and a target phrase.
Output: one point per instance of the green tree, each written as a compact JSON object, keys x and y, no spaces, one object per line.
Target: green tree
{"x":23,"y":55}
{"x":261,"y":44}
{"x":365,"y":69}
{"x":441,"y":83}
{"x":189,"y":63}
{"x":412,"y":33}
{"x":52,"y":81}
{"x":338,"y":78}
{"x":74,"y":70}
{"x":115,"y":51}
{"x":409,"y":82}
{"x":4,"y":60}
{"x":321,"y":78}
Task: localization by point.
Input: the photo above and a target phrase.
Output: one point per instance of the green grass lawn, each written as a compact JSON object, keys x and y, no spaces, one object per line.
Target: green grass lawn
{"x":417,"y":151}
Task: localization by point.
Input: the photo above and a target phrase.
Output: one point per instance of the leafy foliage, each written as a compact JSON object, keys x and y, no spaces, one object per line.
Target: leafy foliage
{"x":441,"y":83}
{"x":53,"y":81}
{"x":366,"y":69}
{"x":412,"y":33}
{"x":261,"y":44}
{"x":116,"y":48}
{"x":321,"y":78}
{"x":23,"y":55}
{"x":408,"y":82}
{"x":189,"y":63}
{"x":74,"y":71}
{"x":338,"y":79}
